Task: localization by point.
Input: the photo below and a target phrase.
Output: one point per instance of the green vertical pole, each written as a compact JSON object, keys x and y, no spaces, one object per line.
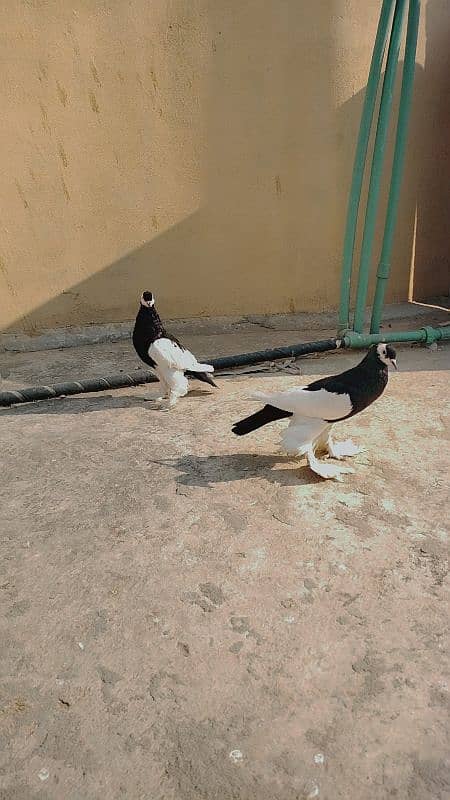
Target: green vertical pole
{"x":360,"y":159}
{"x":384,"y":266}
{"x":377,"y":166}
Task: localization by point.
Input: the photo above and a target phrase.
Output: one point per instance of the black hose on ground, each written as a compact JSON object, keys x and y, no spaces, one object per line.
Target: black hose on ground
{"x":33,"y":393}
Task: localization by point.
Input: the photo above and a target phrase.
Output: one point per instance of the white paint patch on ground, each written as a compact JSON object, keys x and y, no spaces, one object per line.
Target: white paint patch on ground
{"x":255,"y":560}
{"x":311,"y":790}
{"x":350,"y":499}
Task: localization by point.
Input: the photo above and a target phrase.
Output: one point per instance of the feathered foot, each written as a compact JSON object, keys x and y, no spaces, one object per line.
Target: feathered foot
{"x":170,"y":401}
{"x":325,"y":469}
{"x":341,"y":450}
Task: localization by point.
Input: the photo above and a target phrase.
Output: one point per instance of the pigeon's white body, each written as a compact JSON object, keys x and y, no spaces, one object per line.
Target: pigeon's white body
{"x":301,"y":433}
{"x":171,"y":361}
{"x":168,"y":353}
{"x":321,"y":405}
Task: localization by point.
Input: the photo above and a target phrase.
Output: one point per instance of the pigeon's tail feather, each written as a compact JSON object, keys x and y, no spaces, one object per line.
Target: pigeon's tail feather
{"x":262,"y":417}
{"x":204,"y":377}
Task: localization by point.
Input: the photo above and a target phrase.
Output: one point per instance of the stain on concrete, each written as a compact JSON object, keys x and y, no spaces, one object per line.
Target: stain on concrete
{"x":94,"y":72}
{"x":240,"y":624}
{"x":22,"y":195}
{"x":11,"y":287}
{"x":42,"y":71}
{"x":153,"y":79}
{"x":62,"y":94}
{"x":108,"y":676}
{"x":18,"y":608}
{"x":233,"y":518}
{"x":213,"y":593}
{"x":44,"y":117}
{"x":93,"y":102}
{"x":371,"y":668}
{"x":162,"y":503}
{"x":63,"y":155}
{"x":184,"y":649}
{"x":65,"y":189}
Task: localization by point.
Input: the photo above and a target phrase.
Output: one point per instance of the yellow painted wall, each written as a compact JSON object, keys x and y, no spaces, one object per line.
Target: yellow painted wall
{"x":201,"y":149}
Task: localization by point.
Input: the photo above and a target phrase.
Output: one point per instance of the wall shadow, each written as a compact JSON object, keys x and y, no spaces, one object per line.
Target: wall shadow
{"x":264,"y":200}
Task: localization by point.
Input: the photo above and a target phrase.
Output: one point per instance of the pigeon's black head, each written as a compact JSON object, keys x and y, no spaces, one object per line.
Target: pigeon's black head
{"x":386,"y":354}
{"x":147,"y":300}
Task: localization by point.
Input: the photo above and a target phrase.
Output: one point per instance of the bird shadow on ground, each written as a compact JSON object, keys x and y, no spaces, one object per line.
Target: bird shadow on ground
{"x":77,"y":405}
{"x":205,"y":471}
{"x":86,"y":405}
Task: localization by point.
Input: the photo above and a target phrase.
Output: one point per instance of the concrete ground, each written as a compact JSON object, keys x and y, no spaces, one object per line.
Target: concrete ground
{"x":188,"y":615}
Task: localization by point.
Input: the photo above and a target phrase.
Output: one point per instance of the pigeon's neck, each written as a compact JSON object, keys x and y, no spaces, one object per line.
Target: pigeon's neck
{"x":373,"y":363}
{"x":149,"y":319}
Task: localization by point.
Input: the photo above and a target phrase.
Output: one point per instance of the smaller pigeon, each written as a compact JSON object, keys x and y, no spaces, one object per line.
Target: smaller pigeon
{"x":169,"y":360}
{"x":313,"y":410}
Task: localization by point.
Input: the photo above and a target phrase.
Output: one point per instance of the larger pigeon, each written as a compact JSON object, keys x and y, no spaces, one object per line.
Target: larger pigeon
{"x":314,"y":409}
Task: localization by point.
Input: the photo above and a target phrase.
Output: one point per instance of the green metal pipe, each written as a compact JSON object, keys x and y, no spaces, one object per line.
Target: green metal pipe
{"x":425,"y":335}
{"x":360,"y":160}
{"x":384,"y":266}
{"x":377,"y":166}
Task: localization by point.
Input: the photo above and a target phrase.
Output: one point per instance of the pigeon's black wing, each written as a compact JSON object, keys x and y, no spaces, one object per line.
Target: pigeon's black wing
{"x":166,"y":335}
{"x":361,"y":385}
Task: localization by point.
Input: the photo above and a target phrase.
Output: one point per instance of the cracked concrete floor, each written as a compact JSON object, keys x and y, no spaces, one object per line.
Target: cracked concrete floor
{"x":189,"y":615}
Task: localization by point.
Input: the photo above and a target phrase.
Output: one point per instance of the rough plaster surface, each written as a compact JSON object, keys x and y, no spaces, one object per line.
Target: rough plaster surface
{"x":187,"y":615}
{"x":202,"y":150}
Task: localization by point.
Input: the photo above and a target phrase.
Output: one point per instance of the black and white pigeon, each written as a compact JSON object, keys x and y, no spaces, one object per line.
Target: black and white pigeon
{"x":313,"y":410}
{"x":168,"y":359}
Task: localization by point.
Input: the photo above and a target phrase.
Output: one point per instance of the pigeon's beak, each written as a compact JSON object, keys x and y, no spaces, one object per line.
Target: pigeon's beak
{"x":394,"y":363}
